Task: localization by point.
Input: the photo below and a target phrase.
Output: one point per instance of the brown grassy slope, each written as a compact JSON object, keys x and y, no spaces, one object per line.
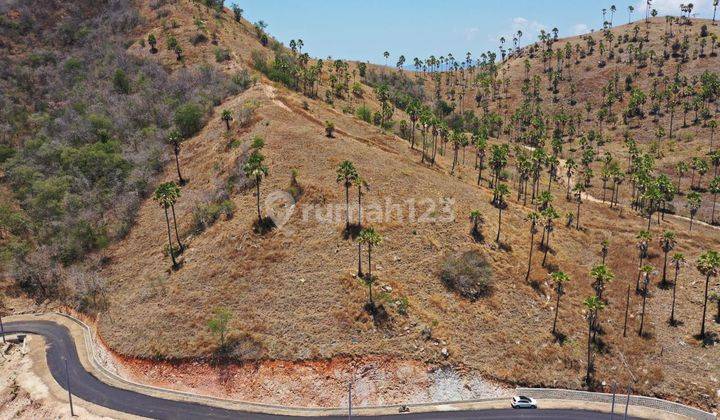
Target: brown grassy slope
{"x":293,"y":294}
{"x":689,"y":141}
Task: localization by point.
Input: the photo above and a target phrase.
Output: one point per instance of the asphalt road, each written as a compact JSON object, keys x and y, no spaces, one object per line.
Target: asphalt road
{"x":60,"y":347}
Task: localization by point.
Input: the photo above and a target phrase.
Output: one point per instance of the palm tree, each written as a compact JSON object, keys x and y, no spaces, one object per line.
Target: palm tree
{"x":604,"y":248}
{"x":480,"y":142}
{"x":165,"y":195}
{"x":550,"y":215}
{"x":578,"y":189}
{"x":559,"y":278}
{"x":708,"y":264}
{"x":678,"y":260}
{"x":173,"y":192}
{"x":714,"y":188}
{"x":631,"y":9}
{"x":457,"y":139}
{"x":533,"y":217}
{"x":346,"y":173}
{"x":413,"y":111}
{"x":255,"y":169}
{"x":498,"y":160}
{"x":646,"y":270}
{"x":593,"y":306}
{"x":500,"y":193}
{"x":227,"y":117}
{"x":174,"y":139}
{"x":153,"y":42}
{"x":570,"y":167}
{"x":602,"y":275}
{"x":694,"y":200}
{"x":360,"y":183}
{"x":667,"y":244}
{"x":643,"y":238}
{"x":370,"y":238}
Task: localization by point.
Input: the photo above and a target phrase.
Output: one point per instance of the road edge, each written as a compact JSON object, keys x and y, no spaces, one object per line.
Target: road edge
{"x":87,"y":352}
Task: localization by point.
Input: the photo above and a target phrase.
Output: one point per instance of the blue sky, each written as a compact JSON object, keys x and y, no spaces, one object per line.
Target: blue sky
{"x":363,"y":29}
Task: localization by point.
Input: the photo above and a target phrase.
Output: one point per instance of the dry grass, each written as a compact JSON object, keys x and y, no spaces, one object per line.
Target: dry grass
{"x":293,"y":292}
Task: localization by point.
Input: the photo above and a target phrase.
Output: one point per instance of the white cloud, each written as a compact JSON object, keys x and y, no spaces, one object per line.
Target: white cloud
{"x":528,"y":27}
{"x":703,"y":8}
{"x":580,"y":29}
{"x":471,"y":33}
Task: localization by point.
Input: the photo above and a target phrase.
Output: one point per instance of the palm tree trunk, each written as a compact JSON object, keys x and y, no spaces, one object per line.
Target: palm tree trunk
{"x":527,"y":275}
{"x":557,"y":310}
{"x":547,"y":247}
{"x":702,"y":328}
{"x":455,"y":156}
{"x":257,"y":187}
{"x":627,"y":309}
{"x":577,"y":221}
{"x":170,"y":247}
{"x":497,"y":238}
{"x":177,"y":235}
{"x":359,"y":272}
{"x":347,"y":206}
{"x":672,"y":310}
{"x":370,"y":260}
{"x":589,"y":348}
{"x":181,"y":181}
{"x":359,"y":206}
{"x":412,"y":142}
{"x":642,"y":314}
{"x":664,"y":278}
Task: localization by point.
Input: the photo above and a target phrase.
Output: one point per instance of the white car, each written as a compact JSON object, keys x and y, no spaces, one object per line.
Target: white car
{"x":523,"y":402}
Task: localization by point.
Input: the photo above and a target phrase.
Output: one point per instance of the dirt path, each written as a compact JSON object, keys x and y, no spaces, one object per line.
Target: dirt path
{"x":586,"y":196}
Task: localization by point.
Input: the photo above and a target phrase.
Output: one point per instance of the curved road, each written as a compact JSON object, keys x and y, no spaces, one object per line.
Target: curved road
{"x":60,"y":347}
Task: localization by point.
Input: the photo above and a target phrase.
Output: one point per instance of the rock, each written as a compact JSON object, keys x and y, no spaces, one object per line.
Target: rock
{"x":445,"y":352}
{"x":396,"y":258}
{"x":426,"y":333}
{"x":387,"y":288}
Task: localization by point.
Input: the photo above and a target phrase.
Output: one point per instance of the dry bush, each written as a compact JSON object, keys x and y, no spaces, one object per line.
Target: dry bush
{"x":467,"y":274}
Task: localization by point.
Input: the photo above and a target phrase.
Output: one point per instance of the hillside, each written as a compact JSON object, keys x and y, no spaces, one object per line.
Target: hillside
{"x":583,"y":86}
{"x":292,"y":292}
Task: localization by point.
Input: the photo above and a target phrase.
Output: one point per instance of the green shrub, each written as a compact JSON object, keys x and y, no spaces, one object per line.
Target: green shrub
{"x":205,"y":215}
{"x":6,"y":152}
{"x":364,"y":113}
{"x":468,"y":275}
{"x":199,"y":38}
{"x":172,"y":43}
{"x":243,"y":79}
{"x":222,"y":55}
{"x":13,"y":221}
{"x":188,"y":119}
{"x":121,"y":82}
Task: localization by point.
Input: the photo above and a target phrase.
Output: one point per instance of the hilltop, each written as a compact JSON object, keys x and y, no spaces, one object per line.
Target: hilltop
{"x":292,"y":292}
